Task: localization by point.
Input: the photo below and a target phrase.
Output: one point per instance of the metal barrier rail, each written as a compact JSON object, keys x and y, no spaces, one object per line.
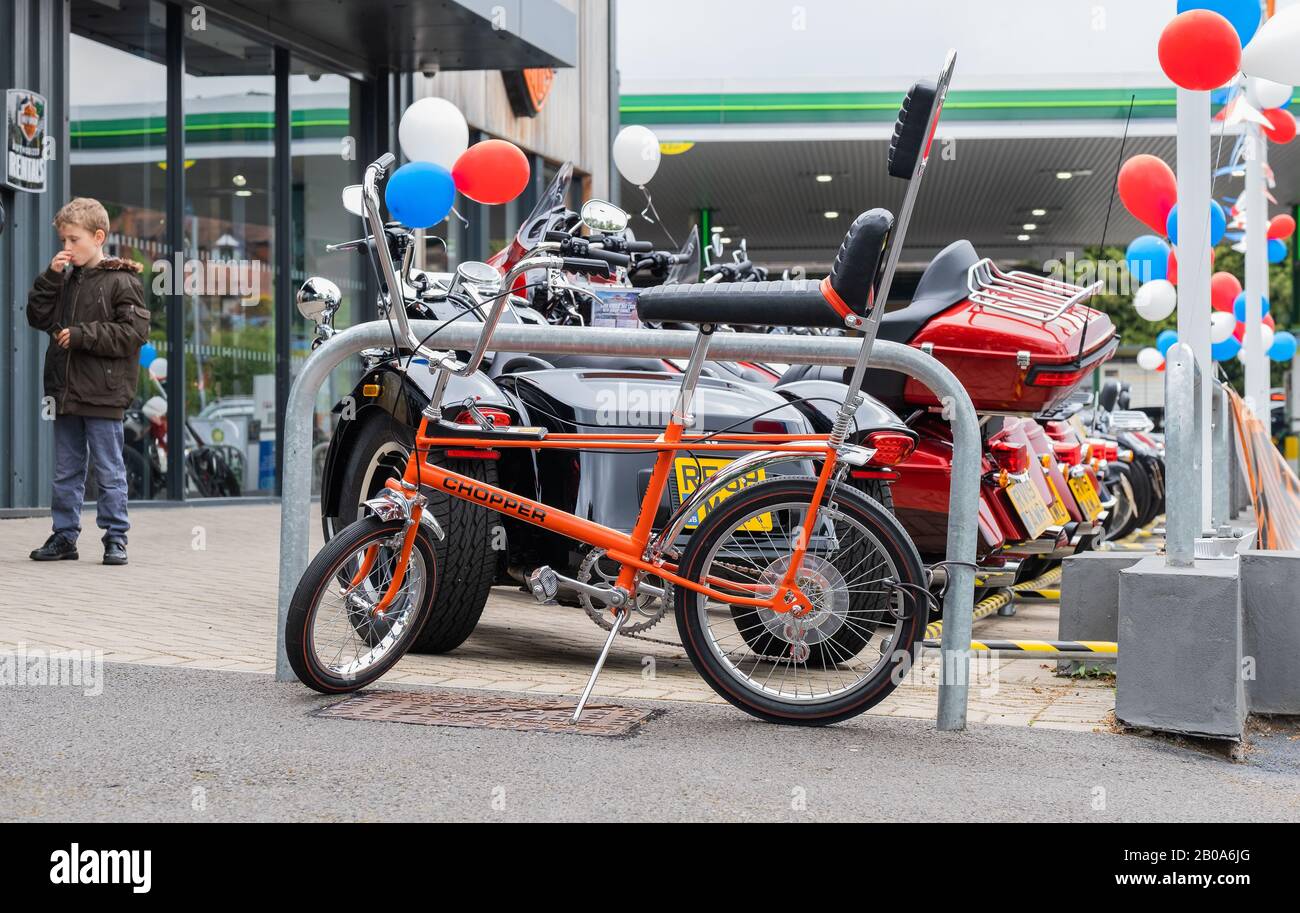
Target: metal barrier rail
{"x":1184,"y":457}
{"x":782,"y":349}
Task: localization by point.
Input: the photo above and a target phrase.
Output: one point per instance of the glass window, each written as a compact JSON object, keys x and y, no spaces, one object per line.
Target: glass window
{"x":326,"y":120}
{"x":229,"y":292}
{"x":118,"y":136}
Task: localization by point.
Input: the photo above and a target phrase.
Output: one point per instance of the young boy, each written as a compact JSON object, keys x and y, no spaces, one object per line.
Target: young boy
{"x":93,"y":309}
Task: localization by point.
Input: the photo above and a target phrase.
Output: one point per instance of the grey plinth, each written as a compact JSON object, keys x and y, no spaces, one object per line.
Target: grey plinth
{"x":1270,"y":605}
{"x":1090,"y":601}
{"x":1181,"y":647}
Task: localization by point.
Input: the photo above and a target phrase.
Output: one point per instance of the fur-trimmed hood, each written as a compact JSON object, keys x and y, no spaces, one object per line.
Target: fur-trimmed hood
{"x":117,"y":264}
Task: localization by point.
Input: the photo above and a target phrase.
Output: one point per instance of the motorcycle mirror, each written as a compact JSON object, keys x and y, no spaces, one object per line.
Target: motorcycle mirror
{"x":604,"y":218}
{"x":352,"y":200}
{"x":716,"y":247}
{"x":318,"y":298}
{"x":159,"y":369}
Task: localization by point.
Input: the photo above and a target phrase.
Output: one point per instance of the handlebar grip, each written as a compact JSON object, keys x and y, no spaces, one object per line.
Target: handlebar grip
{"x":557,"y":237}
{"x":639,"y":247}
{"x":610,"y":257}
{"x":583,"y":265}
{"x":386,"y":162}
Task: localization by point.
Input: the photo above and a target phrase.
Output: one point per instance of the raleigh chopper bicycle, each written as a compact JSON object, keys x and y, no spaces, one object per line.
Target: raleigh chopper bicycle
{"x":798,"y":599}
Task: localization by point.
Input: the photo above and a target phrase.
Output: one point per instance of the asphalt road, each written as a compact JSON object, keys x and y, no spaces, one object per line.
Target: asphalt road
{"x":177,"y":745}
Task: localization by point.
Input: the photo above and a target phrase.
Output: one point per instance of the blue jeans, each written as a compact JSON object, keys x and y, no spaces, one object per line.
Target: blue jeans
{"x":101,"y":438}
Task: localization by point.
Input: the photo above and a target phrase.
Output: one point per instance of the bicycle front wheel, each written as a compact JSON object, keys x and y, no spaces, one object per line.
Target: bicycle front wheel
{"x":837,"y":660}
{"x":336,"y":638}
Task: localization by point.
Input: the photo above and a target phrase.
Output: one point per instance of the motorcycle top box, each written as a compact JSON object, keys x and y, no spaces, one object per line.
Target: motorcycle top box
{"x":1020,"y":343}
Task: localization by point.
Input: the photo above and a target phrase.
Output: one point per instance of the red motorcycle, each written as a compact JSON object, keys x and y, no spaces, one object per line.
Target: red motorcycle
{"x":1021,"y":344}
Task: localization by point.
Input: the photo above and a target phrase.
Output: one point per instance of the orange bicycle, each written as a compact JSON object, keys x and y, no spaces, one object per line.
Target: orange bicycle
{"x":798,"y":599}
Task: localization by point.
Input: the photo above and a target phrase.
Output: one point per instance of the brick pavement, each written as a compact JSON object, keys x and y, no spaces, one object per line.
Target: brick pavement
{"x":200,"y":593}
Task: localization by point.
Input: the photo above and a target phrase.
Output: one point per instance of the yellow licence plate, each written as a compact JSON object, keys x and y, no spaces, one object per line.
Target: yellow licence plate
{"x":1060,"y":514}
{"x":691,"y":473}
{"x":1029,"y":504}
{"x":1086,"y":495}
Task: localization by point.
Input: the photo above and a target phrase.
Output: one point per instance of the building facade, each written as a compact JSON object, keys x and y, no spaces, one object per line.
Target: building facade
{"x":219,"y":137}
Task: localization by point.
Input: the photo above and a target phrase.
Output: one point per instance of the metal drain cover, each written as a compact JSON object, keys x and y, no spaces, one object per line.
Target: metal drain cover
{"x":473,"y":711}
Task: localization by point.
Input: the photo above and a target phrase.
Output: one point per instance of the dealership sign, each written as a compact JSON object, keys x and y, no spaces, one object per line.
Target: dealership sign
{"x":25,"y":161}
{"x":528,"y":89}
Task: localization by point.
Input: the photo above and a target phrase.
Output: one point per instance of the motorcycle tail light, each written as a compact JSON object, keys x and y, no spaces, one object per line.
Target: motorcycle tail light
{"x":1012,"y":458}
{"x":1070,"y":454}
{"x":1112,"y":453}
{"x":891,"y":447}
{"x":495,"y":416}
{"x":1044,"y":377}
{"x":766,"y":426}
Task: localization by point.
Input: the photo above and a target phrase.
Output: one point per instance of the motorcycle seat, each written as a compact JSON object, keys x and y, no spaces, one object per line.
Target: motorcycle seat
{"x":849,"y":290}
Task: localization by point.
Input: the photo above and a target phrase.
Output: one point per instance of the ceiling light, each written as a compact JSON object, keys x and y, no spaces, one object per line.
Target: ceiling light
{"x":1039,"y":213}
{"x":718,"y":229}
{"x":243,"y":193}
{"x":1030,"y":226}
{"x":239,"y":180}
{"x":1024,"y":238}
{"x":832,"y":214}
{"x":825,"y":178}
{"x":1064,"y":175}
{"x":726,"y":240}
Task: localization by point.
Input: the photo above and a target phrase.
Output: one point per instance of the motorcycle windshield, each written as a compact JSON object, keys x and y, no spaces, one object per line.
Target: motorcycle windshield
{"x":688,"y":271}
{"x":552,"y":206}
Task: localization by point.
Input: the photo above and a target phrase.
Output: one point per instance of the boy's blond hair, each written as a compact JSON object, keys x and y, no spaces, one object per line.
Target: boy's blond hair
{"x":83,"y":212}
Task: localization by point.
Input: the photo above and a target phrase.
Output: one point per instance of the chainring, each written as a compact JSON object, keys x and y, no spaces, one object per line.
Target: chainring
{"x":647,"y":611}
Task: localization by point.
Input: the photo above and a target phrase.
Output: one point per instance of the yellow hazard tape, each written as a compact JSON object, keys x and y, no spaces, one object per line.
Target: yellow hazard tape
{"x":998,"y":601}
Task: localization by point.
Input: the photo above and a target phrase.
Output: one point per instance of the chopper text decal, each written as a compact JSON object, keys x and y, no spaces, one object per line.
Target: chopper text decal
{"x":25,"y":140}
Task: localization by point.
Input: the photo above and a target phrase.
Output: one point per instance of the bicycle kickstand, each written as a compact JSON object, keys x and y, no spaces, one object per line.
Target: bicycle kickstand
{"x":600,"y":662}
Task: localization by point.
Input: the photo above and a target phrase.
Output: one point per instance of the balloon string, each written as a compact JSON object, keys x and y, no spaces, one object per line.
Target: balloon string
{"x":463,"y":221}
{"x":646,"y":214}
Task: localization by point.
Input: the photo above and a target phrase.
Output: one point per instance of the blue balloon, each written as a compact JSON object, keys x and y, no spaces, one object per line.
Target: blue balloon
{"x":1148,"y":259}
{"x":1166,"y":341}
{"x":1284,"y":347}
{"x":1226,"y":350}
{"x":420,"y":194}
{"x":1277,"y":251}
{"x":148,"y":355}
{"x":1243,"y":14}
{"x":1239,"y":308}
{"x":1218,"y":224}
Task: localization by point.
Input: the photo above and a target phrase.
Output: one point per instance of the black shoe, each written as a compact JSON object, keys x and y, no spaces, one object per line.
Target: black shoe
{"x":56,"y":548}
{"x":115,"y":553}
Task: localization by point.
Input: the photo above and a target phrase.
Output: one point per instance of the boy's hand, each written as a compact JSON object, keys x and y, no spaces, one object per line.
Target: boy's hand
{"x":63,"y":338}
{"x":61,"y":261}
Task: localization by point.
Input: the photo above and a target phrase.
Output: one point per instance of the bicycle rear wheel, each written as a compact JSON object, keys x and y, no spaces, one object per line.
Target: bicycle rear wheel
{"x":336,"y":641}
{"x":840,"y":659}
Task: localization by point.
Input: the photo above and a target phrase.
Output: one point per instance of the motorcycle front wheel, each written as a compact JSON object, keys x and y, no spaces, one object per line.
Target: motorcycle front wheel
{"x":861,"y":573}
{"x":336,"y":641}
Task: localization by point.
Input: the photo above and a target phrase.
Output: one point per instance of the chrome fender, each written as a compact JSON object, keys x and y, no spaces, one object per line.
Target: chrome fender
{"x":691,"y":506}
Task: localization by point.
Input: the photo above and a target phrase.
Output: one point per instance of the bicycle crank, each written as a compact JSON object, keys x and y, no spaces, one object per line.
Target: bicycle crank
{"x":647,"y":610}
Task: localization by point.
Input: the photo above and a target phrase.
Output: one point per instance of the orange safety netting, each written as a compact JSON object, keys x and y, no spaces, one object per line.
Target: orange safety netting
{"x":1274,"y":487}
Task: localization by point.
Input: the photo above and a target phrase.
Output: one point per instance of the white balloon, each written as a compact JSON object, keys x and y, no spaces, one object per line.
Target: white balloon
{"x":1265,"y":94}
{"x":434,"y":130}
{"x":1271,"y":54}
{"x":1150,"y":359}
{"x":637,"y":155}
{"x":1268,"y":335}
{"x":1156,"y":300}
{"x":1222,"y":326}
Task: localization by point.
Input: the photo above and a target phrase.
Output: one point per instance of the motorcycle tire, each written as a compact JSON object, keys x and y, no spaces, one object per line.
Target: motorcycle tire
{"x":466,"y":559}
{"x":1133,"y":492}
{"x":697,"y":636}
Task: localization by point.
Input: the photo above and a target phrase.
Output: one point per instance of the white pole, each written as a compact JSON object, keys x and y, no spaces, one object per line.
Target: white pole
{"x":1257,"y":373}
{"x":1194,"y":181}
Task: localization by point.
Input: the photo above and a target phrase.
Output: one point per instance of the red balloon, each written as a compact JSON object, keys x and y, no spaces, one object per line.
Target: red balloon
{"x":1270,"y":322}
{"x":1240,"y":331}
{"x":492,"y":172}
{"x":1200,"y":50}
{"x":1148,"y":189}
{"x":1281,"y":228}
{"x":1225,"y":289}
{"x":1283,"y":127}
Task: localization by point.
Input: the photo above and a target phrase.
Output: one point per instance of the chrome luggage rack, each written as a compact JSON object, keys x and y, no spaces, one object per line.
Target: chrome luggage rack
{"x":1025,"y":295}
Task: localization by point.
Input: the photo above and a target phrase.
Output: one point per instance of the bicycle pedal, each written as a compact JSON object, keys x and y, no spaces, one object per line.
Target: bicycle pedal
{"x":544,"y":584}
